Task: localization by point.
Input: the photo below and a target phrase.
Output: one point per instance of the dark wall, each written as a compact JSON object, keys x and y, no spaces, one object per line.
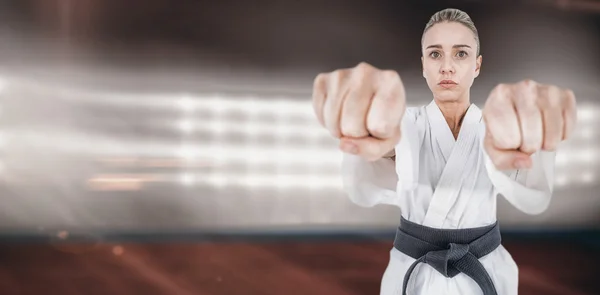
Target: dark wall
{"x":88,"y":81}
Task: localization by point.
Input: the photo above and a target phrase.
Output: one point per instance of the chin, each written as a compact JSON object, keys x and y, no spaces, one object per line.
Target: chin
{"x":446,"y":95}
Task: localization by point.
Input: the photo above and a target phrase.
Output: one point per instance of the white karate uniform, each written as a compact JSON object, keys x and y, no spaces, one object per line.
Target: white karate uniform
{"x":441,"y":182}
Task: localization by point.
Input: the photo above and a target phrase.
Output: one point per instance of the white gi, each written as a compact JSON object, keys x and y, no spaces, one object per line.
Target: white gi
{"x":441,"y":182}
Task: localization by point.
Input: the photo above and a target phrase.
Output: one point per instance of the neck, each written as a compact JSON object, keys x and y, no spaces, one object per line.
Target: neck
{"x":454,"y":112}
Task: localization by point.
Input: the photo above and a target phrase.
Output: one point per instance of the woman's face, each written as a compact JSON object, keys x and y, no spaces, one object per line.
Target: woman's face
{"x":449,"y":60}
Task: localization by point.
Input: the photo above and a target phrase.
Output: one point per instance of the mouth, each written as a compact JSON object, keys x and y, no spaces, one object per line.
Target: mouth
{"x":447,"y":83}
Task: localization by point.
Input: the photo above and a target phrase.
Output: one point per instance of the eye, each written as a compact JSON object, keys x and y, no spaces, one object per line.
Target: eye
{"x":462,"y":54}
{"x":434,"y":54}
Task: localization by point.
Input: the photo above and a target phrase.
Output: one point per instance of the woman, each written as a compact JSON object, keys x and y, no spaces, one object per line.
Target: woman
{"x":446,"y":162}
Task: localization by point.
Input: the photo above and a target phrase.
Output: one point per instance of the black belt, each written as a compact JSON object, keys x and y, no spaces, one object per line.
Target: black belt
{"x":449,"y":251}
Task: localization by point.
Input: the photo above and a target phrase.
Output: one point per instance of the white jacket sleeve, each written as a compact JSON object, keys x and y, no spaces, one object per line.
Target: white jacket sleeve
{"x":380,"y":182}
{"x":529,"y":190}
{"x":368,"y":183}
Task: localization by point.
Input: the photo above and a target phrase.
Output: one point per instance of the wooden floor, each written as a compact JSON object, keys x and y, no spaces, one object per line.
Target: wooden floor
{"x":315,"y":268}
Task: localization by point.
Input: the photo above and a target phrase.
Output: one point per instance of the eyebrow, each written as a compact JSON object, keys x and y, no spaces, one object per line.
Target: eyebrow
{"x":455,"y":46}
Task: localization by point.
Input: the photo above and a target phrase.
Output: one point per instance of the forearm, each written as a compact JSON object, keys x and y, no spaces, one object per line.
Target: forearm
{"x":529,"y":190}
{"x":368,"y":182}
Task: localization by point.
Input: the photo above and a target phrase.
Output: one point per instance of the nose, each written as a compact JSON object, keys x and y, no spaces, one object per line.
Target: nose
{"x":447,"y":66}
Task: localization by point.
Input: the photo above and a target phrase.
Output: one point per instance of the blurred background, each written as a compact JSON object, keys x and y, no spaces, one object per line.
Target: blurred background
{"x":155,"y":120}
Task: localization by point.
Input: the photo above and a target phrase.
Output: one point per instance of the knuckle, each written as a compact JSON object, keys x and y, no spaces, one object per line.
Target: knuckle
{"x":319,"y":80}
{"x":551,"y":144}
{"x":338,"y":80}
{"x":510,"y":143}
{"x":543,"y":89}
{"x":553,"y":88}
{"x":388,"y":96}
{"x":494,"y":112}
{"x":553,"y":91}
{"x":363,"y":66}
{"x":501,"y":92}
{"x":530,"y":96}
{"x":361,"y":73}
{"x":352,"y":128}
{"x":389,"y":75}
{"x":492,"y":116}
{"x":549,"y":96}
{"x":531,"y":147}
{"x":529,"y":83}
{"x":380,"y":127}
{"x":506,"y":142}
{"x":338,"y":75}
{"x":553,"y":101}
{"x":359,"y":76}
{"x":501,"y":87}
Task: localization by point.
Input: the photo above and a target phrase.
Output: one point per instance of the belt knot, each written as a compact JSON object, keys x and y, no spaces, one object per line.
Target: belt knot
{"x":444,"y":260}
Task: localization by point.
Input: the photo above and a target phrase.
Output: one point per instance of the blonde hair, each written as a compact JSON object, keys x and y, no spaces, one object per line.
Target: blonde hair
{"x":453,"y":15}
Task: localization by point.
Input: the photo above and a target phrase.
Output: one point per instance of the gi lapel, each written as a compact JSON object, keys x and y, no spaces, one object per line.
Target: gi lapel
{"x":440,"y":130}
{"x":450,"y":184}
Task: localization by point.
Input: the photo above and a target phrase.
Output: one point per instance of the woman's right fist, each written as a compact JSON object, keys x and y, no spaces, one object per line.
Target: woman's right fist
{"x":363,"y":107}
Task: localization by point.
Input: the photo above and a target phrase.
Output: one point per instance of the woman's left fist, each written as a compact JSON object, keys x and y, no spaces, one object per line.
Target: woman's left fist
{"x":524,"y":118}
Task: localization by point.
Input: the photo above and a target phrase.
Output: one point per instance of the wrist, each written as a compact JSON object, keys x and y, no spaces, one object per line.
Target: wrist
{"x":390,"y":154}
